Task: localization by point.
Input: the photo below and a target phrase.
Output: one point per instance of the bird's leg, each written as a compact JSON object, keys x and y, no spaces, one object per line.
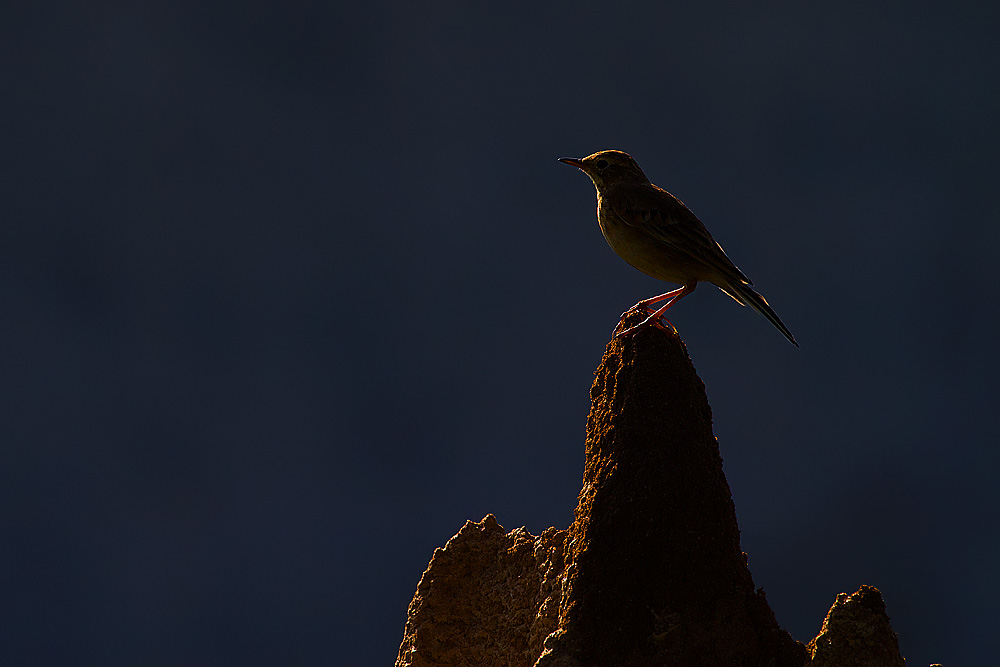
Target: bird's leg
{"x":654,"y":319}
{"x":646,"y":303}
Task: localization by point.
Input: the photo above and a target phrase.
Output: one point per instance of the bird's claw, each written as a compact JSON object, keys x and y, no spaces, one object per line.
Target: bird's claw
{"x":642,"y":304}
{"x":649,"y":321}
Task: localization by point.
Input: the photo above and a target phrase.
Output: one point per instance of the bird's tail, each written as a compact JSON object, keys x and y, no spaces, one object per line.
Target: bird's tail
{"x":746,"y":295}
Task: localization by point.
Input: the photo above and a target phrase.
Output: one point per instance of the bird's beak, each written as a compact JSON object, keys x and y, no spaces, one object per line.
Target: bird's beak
{"x":572,"y":161}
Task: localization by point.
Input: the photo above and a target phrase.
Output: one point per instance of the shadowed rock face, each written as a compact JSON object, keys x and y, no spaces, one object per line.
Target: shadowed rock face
{"x":856,"y":633}
{"x":650,"y":572}
{"x":659,"y":576}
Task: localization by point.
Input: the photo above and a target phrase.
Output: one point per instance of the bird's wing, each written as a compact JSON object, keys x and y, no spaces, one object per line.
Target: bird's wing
{"x":668,"y":220}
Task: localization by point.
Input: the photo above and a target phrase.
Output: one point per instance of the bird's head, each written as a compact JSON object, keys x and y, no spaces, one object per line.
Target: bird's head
{"x":608,"y":168}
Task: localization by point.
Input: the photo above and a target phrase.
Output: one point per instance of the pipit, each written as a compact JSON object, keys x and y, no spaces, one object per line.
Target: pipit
{"x":656,"y":233}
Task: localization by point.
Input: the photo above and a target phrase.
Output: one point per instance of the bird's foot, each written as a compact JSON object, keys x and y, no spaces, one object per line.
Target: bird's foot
{"x":655,"y":317}
{"x":632,"y":310}
{"x":642,"y":305}
{"x":652,"y":320}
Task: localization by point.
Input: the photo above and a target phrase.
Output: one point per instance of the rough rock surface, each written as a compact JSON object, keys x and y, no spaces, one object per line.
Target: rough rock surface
{"x":657,"y":575}
{"x":650,"y":572}
{"x":487,"y":598}
{"x":856,"y":633}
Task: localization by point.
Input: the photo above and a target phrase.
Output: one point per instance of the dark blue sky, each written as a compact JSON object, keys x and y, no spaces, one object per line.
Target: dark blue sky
{"x":292,"y":291}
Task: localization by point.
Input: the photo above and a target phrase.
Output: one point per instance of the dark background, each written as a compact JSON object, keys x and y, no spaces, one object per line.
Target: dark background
{"x":291,"y":291}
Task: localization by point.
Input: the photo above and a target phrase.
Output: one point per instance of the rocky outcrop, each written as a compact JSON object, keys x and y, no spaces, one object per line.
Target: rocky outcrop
{"x":487,"y":598}
{"x":856,"y":633}
{"x":650,"y":572}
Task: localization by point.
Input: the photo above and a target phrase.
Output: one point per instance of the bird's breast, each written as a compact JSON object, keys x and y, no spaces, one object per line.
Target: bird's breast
{"x":643,"y":251}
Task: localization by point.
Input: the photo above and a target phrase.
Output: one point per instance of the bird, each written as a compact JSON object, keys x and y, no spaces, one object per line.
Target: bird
{"x":657,"y":234}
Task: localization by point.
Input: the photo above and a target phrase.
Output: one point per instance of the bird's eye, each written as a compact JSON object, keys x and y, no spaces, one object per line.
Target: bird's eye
{"x":601,"y":164}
